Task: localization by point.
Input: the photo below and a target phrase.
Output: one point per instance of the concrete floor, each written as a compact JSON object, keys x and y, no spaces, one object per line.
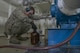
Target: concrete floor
{"x":4,"y":41}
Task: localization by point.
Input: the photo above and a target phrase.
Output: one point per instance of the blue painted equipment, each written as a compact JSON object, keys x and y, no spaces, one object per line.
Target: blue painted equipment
{"x":62,"y":18}
{"x":57,"y":36}
{"x":67,"y":18}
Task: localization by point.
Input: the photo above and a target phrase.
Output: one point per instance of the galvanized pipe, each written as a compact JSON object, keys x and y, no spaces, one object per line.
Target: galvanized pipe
{"x":69,"y":7}
{"x":72,"y":4}
{"x":44,"y":48}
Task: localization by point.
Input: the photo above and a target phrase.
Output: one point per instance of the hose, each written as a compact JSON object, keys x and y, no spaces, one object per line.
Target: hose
{"x":44,"y":48}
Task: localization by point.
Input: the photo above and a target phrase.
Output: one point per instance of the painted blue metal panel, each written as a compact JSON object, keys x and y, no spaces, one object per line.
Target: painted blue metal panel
{"x":68,"y":26}
{"x":64,"y":50}
{"x":56,"y":36}
{"x":53,"y":10}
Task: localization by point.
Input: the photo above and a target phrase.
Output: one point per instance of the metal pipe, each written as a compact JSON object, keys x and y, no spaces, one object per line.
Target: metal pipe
{"x":45,"y":48}
{"x":69,"y":7}
{"x":72,"y":4}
